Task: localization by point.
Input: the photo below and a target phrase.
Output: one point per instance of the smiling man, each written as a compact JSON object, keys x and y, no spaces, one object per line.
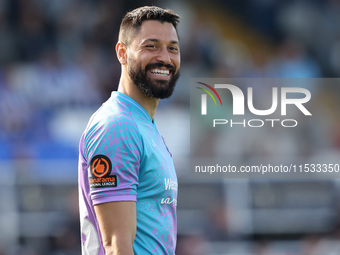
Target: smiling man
{"x":127,"y":180}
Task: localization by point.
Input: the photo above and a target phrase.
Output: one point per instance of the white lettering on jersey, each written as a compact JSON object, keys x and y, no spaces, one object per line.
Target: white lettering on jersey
{"x":168,"y":201}
{"x":170,"y":184}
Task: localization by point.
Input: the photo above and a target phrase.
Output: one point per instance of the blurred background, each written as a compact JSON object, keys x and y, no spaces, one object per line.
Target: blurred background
{"x":57,"y":66}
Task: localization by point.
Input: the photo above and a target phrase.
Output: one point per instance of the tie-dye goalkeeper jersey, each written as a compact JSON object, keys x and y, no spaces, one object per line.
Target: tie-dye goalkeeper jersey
{"x":123,"y":157}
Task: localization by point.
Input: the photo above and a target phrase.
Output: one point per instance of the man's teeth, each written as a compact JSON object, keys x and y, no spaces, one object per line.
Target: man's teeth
{"x":160,"y":72}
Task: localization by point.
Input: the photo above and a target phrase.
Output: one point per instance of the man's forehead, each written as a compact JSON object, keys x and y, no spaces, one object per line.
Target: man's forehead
{"x":153,"y":29}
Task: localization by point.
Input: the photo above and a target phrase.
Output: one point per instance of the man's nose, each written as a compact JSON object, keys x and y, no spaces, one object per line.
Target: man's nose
{"x":164,"y":56}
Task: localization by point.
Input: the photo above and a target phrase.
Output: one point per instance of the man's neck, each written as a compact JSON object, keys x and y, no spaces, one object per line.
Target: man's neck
{"x":148,"y":103}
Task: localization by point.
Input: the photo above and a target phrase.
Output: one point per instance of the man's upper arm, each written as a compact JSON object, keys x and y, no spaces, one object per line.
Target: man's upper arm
{"x":117,"y":222}
{"x":113,"y":148}
{"x":113,"y":158}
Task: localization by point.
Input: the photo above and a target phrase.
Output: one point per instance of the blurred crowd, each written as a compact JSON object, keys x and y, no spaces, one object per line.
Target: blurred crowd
{"x":59,"y":55}
{"x":57,"y":65}
{"x":54,"y":56}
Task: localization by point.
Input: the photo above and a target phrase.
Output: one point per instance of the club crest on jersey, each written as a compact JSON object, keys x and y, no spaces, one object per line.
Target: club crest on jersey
{"x":101,"y":167}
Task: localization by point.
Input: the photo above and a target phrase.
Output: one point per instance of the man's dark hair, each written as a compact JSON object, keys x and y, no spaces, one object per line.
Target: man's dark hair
{"x":133,"y":20}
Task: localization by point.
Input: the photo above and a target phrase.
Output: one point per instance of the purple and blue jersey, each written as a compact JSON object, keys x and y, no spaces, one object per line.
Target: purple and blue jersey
{"x":123,"y":157}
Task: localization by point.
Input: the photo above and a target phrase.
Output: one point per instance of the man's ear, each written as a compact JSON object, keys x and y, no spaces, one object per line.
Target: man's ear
{"x":121,"y":52}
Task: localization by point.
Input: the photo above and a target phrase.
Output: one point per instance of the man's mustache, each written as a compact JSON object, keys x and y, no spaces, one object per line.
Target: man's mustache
{"x":155,"y":65}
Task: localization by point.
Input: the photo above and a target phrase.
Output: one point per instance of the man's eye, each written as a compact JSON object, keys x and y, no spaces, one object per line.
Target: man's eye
{"x":151,"y":46}
{"x":173,"y":48}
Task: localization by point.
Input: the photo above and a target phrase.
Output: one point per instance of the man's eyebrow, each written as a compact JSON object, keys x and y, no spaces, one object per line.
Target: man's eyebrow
{"x":156,"y":40}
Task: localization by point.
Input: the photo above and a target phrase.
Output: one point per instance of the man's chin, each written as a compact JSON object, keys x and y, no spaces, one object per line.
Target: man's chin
{"x":162,"y":94}
{"x":161,"y":84}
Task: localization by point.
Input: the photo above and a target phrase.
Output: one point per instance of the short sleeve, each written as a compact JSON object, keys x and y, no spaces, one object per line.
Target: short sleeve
{"x":113,"y":149}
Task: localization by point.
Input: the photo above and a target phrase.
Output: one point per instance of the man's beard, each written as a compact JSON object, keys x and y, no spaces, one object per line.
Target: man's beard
{"x":157,"y":88}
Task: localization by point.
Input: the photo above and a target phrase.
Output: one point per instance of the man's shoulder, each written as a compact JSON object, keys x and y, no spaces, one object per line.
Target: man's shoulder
{"x":109,"y":123}
{"x":112,"y":112}
{"x":110,"y":118}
